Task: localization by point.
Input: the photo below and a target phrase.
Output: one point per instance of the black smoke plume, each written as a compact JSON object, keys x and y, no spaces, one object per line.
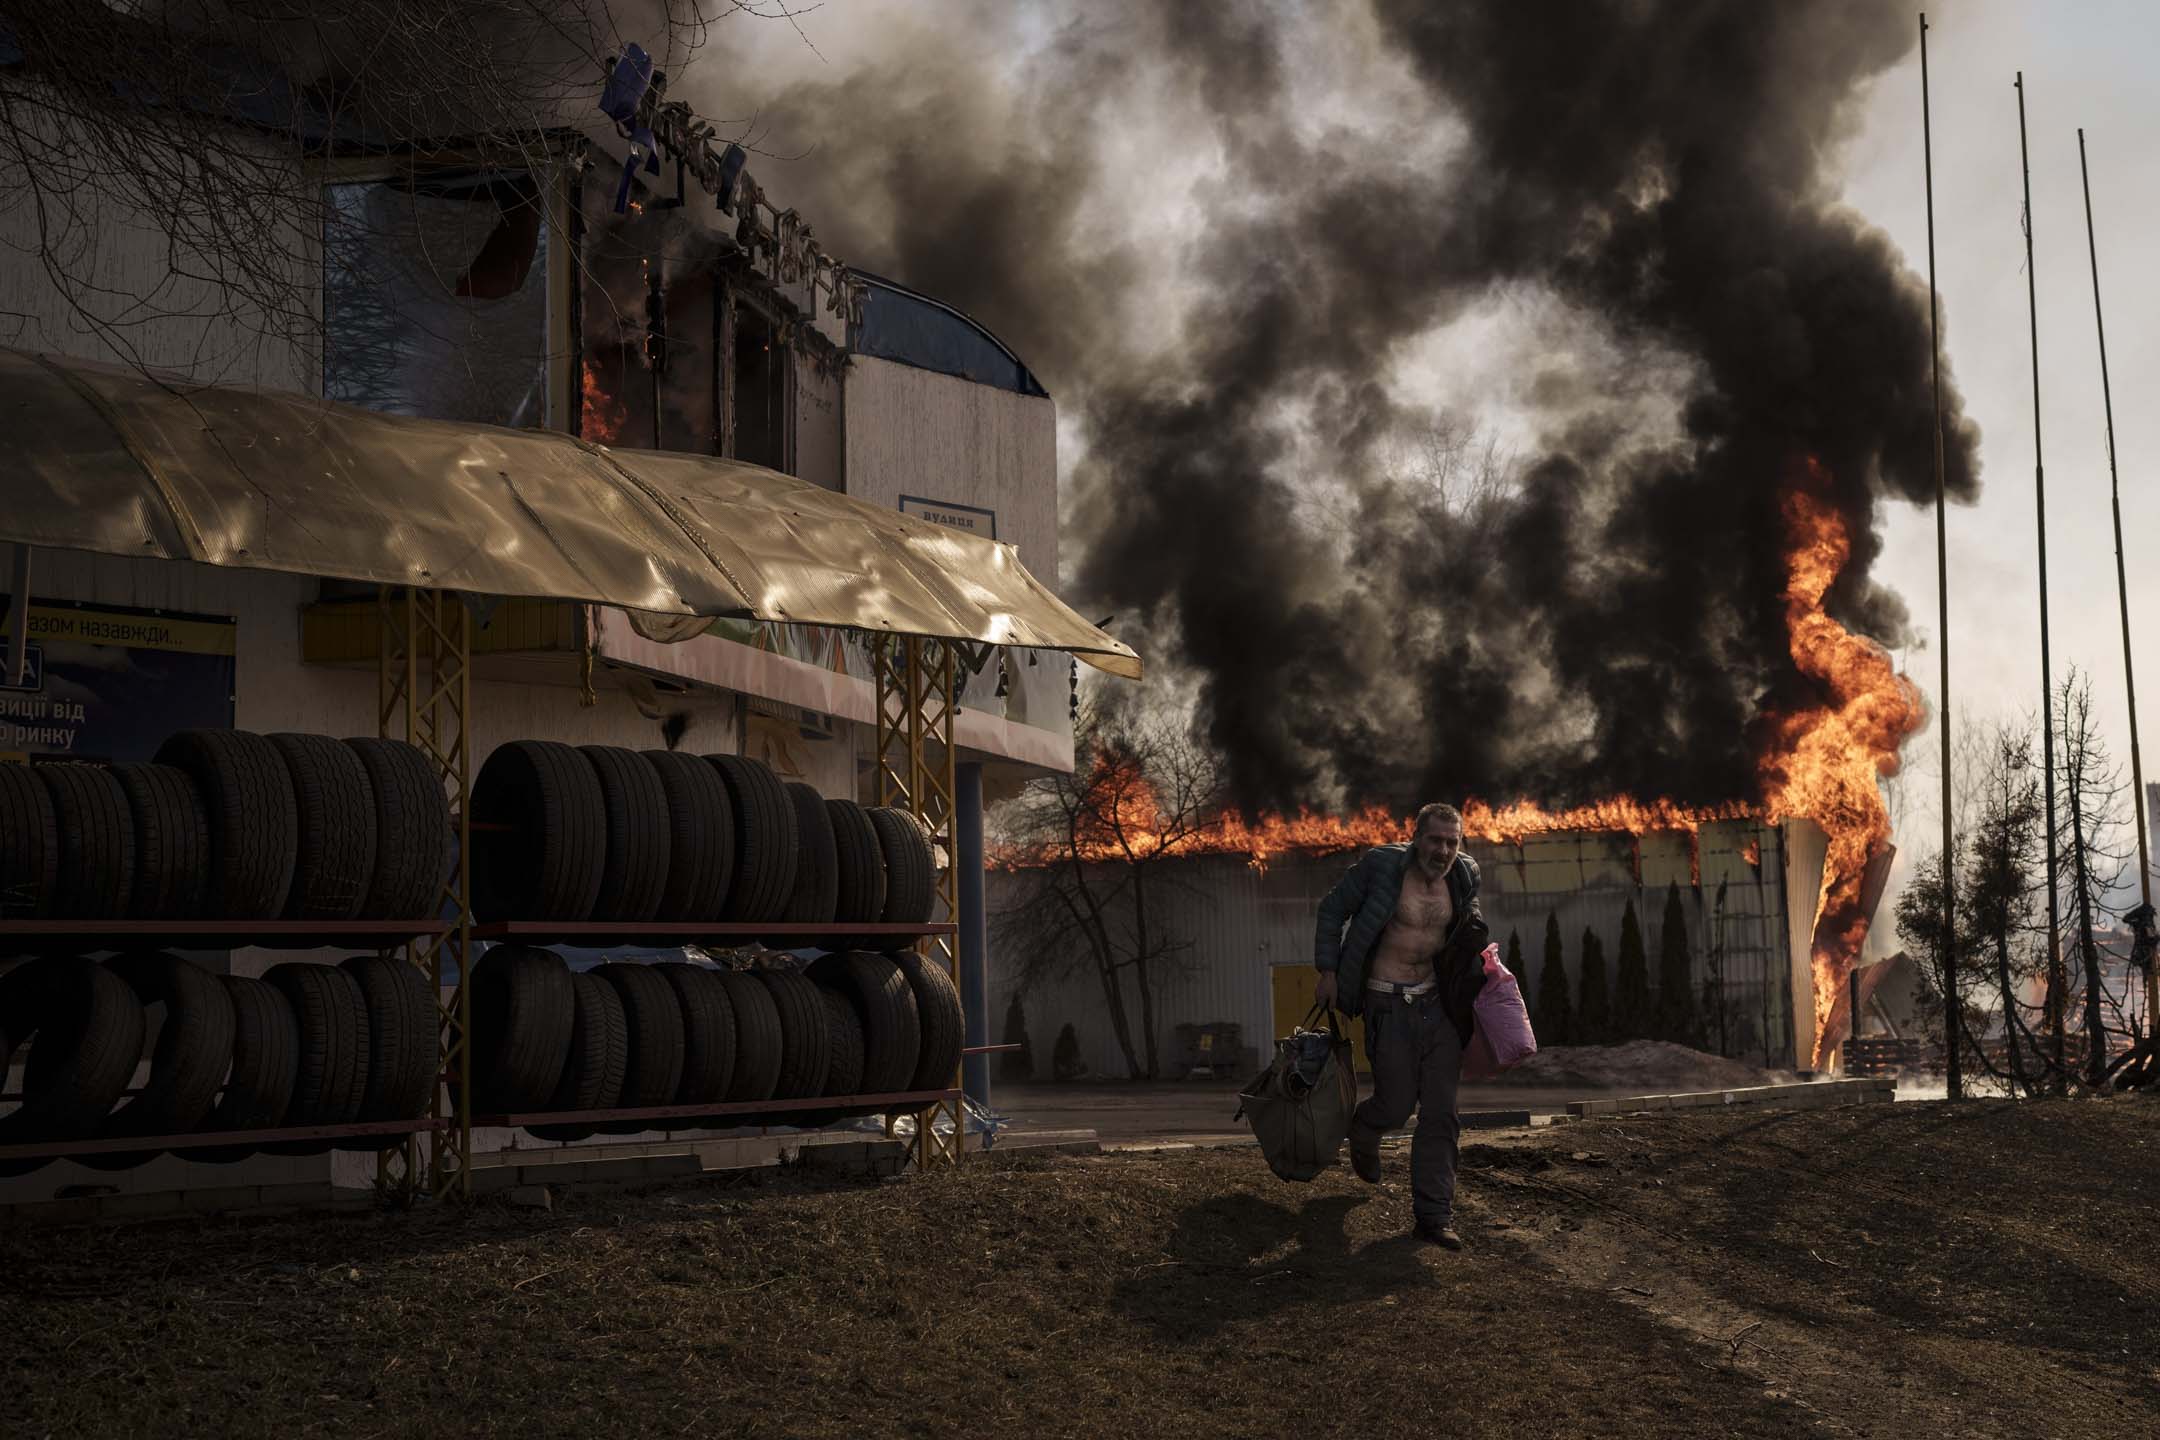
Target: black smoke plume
{"x":1611,"y":620}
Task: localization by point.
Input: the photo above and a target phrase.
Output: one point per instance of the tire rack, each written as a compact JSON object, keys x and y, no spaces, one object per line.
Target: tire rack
{"x":424,"y":696}
{"x":597,"y":933}
{"x":83,"y":938}
{"x":918,"y":697}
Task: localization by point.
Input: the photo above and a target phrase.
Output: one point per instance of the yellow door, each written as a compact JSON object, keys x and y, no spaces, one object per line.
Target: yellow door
{"x":1293,"y":985}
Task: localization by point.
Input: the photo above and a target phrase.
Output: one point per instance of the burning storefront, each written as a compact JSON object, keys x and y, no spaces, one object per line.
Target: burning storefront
{"x":660,"y":312}
{"x":1774,"y":893}
{"x":1243,"y":936}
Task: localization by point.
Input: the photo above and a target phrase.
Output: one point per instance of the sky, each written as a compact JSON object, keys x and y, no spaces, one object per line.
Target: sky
{"x":2085,"y":63}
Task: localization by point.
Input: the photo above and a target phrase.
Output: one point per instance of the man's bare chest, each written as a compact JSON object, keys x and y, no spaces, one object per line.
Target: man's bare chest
{"x":1423,"y":906}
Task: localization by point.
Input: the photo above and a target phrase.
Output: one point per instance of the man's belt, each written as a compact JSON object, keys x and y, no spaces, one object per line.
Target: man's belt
{"x":1406,"y":992}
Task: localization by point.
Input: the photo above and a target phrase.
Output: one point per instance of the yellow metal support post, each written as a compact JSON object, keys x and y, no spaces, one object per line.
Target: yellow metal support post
{"x":918,"y":699}
{"x":424,"y":697}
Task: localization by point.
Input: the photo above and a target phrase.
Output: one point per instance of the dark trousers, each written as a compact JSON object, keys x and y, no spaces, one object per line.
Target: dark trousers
{"x":1416,"y":1063}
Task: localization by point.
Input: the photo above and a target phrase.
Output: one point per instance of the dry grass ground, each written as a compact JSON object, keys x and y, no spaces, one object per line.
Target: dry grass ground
{"x":1891,"y":1270}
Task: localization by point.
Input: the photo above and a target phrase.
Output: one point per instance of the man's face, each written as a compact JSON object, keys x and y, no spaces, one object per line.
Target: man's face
{"x":1438,"y":842}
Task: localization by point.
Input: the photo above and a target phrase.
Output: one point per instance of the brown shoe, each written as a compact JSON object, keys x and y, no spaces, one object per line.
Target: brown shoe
{"x":1365,"y":1159}
{"x":1439,"y":1233}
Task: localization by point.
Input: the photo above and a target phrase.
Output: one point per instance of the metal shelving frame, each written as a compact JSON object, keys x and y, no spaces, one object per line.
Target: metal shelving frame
{"x":208,"y":1139}
{"x":918,"y":698}
{"x":424,"y":697}
{"x":901,"y":1099}
{"x":86,"y":937}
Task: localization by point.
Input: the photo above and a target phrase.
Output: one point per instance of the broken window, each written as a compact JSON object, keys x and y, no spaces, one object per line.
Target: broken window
{"x":618,"y":313}
{"x":758,"y":420}
{"x":647,"y":352}
{"x":435,"y":296}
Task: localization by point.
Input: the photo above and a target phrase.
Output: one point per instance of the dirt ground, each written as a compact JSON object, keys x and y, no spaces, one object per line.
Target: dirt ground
{"x":1121,"y":1111}
{"x":1916,"y":1269}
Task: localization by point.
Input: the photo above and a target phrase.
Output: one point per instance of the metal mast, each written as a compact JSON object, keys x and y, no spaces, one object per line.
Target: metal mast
{"x":1953,"y":1028}
{"x":2122,"y":583}
{"x":2047,"y":673}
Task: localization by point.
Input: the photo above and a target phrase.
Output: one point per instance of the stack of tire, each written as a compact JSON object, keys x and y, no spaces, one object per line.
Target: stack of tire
{"x":631,"y":1036}
{"x":306,"y":1045}
{"x":600,"y":834}
{"x":227,"y":825}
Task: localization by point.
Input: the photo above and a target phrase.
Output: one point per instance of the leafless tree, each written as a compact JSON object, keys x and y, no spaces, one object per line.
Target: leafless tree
{"x":219,"y":123}
{"x":1999,"y":894}
{"x":2095,"y":861}
{"x":1089,"y":849}
{"x":2001,"y":945}
{"x":1450,"y":467}
{"x":1946,"y":962}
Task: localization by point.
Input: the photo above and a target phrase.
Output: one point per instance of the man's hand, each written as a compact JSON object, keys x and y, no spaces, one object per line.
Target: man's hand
{"x":1324,"y":992}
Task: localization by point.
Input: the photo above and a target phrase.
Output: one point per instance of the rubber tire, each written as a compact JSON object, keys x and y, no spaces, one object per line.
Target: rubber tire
{"x":654,"y":1021}
{"x":910,"y":871}
{"x":97,"y":842}
{"x":85,"y":1029}
{"x":188,"y":1060}
{"x":757,"y":1044}
{"x":635,"y":872}
{"x":701,"y":837}
{"x":708,"y":1016}
{"x":592,"y":1077}
{"x":843,"y":1072}
{"x":404,"y":1045}
{"x":860,"y":865}
{"x":172,"y":842}
{"x":331,"y":1083}
{"x":523,"y":1009}
{"x":882,"y":997}
{"x":549,"y":864}
{"x":764,"y":841}
{"x":937,"y":1010}
{"x":805,"y":1035}
{"x":29,"y":845}
{"x":336,"y":859}
{"x":265,"y":1067}
{"x":413,"y":837}
{"x":815,"y":898}
{"x":247,"y":797}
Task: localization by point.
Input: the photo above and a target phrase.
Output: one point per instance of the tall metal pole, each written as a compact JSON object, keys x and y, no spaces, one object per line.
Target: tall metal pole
{"x":2122,"y":583}
{"x":1953,"y":1028}
{"x":974,"y":930}
{"x":2047,"y":673}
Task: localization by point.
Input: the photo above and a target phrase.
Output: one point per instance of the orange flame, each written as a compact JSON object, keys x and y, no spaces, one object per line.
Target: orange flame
{"x":603,"y":414}
{"x":1821,"y":764}
{"x":1825,"y":762}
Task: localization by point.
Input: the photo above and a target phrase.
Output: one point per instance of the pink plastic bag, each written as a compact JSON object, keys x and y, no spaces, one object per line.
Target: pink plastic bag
{"x":1500,"y":1037}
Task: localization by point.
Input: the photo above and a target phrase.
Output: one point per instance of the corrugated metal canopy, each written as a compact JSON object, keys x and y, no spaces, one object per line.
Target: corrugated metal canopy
{"x":103,"y":458}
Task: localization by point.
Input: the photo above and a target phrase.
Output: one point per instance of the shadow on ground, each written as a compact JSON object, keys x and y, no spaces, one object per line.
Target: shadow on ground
{"x":1235,"y":1259}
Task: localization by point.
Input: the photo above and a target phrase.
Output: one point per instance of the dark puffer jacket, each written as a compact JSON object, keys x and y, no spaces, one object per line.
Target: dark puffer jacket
{"x":1364,"y":901}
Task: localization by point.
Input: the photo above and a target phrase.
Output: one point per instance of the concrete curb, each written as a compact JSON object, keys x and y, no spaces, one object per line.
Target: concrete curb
{"x":1819,"y":1095}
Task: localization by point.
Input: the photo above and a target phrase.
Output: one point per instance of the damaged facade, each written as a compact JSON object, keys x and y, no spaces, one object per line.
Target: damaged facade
{"x":460,"y":289}
{"x":1748,"y":889}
